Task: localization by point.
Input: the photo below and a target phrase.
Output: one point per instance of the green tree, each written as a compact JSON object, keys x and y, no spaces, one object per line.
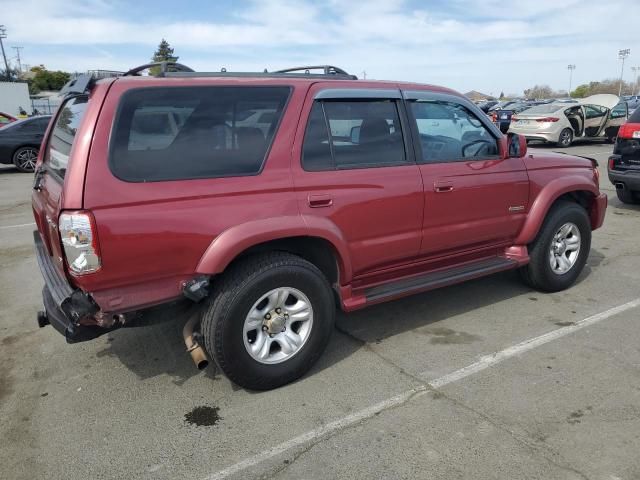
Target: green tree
{"x":164,"y":53}
{"x":43,"y":79}
{"x":581,"y":91}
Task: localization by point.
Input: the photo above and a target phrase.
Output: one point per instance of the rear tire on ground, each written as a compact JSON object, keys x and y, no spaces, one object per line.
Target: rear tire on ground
{"x":565,"y":138}
{"x":627,"y":196}
{"x":25,"y":158}
{"x":545,"y":269}
{"x":234,"y":321}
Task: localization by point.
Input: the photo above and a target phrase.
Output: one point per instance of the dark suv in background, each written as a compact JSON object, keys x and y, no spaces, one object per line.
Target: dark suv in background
{"x":624,"y":164}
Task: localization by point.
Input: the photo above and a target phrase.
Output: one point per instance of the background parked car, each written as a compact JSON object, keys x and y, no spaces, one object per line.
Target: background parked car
{"x":633,"y":101}
{"x":502,"y":116}
{"x":598,"y":116}
{"x":20,"y":142}
{"x":6,"y":118}
{"x":624,"y":164}
{"x":486,"y":105}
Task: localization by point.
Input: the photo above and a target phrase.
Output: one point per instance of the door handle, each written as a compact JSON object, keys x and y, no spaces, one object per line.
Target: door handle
{"x":318,"y":201}
{"x":442,"y":186}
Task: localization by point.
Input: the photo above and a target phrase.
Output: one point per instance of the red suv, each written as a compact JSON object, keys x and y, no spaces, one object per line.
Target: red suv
{"x":273,"y":197}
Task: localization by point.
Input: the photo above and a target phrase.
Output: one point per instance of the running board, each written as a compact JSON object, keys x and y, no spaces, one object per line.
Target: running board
{"x":440,"y":278}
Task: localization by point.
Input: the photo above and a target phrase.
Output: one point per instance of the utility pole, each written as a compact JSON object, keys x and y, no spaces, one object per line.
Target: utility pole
{"x":3,"y":34}
{"x":635,"y":71}
{"x":571,"y":68}
{"x":364,"y":74}
{"x":17,"y":49}
{"x":622,"y":54}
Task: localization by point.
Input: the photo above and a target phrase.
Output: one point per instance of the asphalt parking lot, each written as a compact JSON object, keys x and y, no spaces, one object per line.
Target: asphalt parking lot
{"x":483,"y":380}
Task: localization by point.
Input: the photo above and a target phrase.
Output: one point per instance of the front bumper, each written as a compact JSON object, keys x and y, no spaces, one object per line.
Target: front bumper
{"x":70,"y":311}
{"x":598,"y":211}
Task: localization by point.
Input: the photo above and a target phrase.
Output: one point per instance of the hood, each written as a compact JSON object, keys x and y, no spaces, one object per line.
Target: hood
{"x":604,"y":99}
{"x":542,"y":159}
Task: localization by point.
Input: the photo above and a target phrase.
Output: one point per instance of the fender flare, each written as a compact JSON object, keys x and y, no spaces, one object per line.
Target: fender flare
{"x":235,"y":240}
{"x":546,"y":198}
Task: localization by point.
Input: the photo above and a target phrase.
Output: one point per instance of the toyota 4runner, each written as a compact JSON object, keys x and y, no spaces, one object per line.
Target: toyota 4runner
{"x":270,"y":198}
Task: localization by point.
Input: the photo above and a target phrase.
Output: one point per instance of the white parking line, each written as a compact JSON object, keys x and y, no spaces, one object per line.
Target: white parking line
{"x":482,"y":364}
{"x":17,"y":226}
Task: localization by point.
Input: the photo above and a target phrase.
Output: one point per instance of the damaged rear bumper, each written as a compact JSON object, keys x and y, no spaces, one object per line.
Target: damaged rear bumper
{"x":68,"y":310}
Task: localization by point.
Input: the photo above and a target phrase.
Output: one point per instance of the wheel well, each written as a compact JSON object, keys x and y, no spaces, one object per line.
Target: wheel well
{"x":581,"y":197}
{"x":316,"y":250}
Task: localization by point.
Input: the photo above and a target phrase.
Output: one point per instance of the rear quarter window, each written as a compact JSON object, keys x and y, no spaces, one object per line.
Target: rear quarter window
{"x":63,"y":134}
{"x":178,"y":133}
{"x":635,"y":118}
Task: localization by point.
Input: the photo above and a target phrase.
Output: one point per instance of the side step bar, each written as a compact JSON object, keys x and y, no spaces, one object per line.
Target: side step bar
{"x":441,"y":278}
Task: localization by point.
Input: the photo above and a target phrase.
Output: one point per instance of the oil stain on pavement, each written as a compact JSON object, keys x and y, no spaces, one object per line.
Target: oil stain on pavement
{"x":203,"y":416}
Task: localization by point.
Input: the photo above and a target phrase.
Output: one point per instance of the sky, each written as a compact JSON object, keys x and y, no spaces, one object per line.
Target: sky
{"x":491,"y":46}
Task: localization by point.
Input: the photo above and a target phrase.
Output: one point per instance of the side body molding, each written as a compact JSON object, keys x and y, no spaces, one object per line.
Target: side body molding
{"x":544,"y":200}
{"x":232,"y":242}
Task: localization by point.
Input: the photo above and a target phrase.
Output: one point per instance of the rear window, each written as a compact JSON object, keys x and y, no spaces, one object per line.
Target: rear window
{"x":635,"y":118}
{"x":545,"y":108}
{"x":63,"y":134}
{"x":179,"y":133}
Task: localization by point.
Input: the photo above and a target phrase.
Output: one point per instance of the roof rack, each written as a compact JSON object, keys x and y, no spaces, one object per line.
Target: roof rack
{"x":326,"y":71}
{"x":165,"y":67}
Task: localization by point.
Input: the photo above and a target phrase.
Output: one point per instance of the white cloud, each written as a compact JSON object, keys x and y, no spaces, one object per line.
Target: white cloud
{"x":480,"y":44}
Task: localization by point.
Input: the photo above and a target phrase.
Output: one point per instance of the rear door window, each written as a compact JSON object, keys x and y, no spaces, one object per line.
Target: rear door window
{"x":66,"y":125}
{"x":179,"y":133}
{"x":345,"y":134}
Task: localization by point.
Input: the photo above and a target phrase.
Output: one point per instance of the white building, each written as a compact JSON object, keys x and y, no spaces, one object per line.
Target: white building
{"x":14,"y":95}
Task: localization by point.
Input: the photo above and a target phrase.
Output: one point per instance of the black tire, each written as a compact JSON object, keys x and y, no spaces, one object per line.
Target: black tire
{"x":24,"y":159}
{"x":627,"y":196}
{"x":565,"y":139}
{"x":234,"y":295}
{"x":538,"y":274}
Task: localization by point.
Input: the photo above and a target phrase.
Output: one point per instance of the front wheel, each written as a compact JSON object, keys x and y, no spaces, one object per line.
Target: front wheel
{"x":25,"y":159}
{"x":560,"y":251}
{"x":270,"y":320}
{"x":565,"y":138}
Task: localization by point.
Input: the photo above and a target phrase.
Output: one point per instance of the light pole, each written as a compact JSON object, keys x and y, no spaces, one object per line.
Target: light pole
{"x":3,"y":34}
{"x":635,"y":71}
{"x":17,"y":49}
{"x":571,"y":68}
{"x":622,"y":54}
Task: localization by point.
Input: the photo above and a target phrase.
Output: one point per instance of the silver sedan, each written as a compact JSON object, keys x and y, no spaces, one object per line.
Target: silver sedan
{"x":598,"y":116}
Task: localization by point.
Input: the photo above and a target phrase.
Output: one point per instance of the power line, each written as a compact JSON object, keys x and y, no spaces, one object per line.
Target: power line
{"x":17,"y":49}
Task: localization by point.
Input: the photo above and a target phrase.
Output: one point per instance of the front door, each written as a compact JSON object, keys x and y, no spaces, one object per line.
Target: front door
{"x":354,"y":168}
{"x":473,"y":198}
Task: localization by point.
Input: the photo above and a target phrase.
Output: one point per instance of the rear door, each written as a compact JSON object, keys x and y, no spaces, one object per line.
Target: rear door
{"x":355,"y":167}
{"x":49,"y":181}
{"x":473,"y":198}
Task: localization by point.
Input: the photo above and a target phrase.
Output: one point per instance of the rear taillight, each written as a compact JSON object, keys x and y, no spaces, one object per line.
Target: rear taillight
{"x":494,"y":117}
{"x":514,"y":118}
{"x":547,"y":119}
{"x":612,"y":163}
{"x":629,"y":130}
{"x":79,"y":241}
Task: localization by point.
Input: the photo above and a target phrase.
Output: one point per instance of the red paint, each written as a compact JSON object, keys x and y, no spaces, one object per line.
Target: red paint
{"x":383,"y":224}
